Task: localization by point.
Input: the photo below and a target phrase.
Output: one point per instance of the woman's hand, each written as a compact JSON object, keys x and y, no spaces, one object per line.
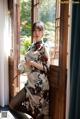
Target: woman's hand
{"x":34,"y":64}
{"x":29,"y":63}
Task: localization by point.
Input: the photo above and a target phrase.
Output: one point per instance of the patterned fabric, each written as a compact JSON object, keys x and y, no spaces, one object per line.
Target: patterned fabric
{"x":37,"y":86}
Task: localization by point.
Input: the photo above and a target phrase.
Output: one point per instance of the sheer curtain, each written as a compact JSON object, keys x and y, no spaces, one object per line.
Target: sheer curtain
{"x":4,"y":52}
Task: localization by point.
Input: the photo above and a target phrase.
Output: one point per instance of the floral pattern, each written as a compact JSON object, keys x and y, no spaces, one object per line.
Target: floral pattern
{"x":37,"y":86}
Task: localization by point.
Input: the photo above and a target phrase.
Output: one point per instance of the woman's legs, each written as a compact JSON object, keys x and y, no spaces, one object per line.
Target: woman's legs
{"x":16,"y":107}
{"x":18,"y":99}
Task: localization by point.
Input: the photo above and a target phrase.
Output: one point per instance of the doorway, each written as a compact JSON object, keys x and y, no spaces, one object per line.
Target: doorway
{"x":39,"y":10}
{"x":57,"y":33}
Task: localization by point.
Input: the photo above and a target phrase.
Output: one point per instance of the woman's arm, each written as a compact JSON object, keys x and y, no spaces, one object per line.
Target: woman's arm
{"x":45,"y":61}
{"x":34,"y":64}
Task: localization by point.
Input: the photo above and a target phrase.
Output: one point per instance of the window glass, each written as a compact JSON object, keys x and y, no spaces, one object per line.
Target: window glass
{"x":47,"y":14}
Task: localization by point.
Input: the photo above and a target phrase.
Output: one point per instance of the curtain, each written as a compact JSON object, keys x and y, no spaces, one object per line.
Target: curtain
{"x":74,"y":111}
{"x":4,"y":49}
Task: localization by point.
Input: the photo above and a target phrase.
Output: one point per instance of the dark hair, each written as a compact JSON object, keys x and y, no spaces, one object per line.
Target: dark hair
{"x":38,"y":25}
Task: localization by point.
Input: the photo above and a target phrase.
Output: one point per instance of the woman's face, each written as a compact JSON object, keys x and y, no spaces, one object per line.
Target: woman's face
{"x":37,"y":34}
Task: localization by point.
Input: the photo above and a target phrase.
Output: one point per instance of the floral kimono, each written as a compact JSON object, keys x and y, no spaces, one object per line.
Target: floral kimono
{"x":37,"y":86}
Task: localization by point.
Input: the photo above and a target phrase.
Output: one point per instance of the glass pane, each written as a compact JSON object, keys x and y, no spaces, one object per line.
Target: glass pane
{"x":25,"y":33}
{"x":47,"y":14}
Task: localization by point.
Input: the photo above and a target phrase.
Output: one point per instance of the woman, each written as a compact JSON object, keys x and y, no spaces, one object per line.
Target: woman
{"x":37,"y":86}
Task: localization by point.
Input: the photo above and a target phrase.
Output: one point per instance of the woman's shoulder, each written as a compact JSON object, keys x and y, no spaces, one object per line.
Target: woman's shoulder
{"x":31,"y":47}
{"x":44,"y":46}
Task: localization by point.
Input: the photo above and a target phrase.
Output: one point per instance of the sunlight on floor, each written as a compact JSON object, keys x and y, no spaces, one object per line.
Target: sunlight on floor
{"x":23,"y":80}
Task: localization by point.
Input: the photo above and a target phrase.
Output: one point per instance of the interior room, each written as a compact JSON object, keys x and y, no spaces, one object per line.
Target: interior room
{"x":61,"y":37}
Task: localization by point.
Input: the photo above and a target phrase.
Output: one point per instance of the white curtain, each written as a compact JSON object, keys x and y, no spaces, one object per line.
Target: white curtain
{"x":5,"y":43}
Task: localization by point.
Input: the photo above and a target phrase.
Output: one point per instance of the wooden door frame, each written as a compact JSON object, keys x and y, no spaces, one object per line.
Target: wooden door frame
{"x":60,"y":85}
{"x":57,"y":74}
{"x":14,"y":84}
{"x":63,"y":57}
{"x":16,"y":43}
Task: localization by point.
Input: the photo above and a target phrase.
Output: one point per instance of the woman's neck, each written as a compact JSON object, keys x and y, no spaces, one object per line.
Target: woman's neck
{"x":37,"y":40}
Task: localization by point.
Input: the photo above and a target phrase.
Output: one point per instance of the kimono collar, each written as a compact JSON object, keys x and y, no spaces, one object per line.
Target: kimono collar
{"x":38,"y":42}
{"x":37,"y":45}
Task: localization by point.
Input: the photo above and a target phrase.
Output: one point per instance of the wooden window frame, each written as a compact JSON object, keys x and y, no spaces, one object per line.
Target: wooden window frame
{"x":14,"y":84}
{"x":35,"y":10}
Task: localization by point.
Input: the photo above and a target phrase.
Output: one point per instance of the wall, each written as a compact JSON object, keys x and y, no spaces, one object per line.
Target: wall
{"x":68,"y":60}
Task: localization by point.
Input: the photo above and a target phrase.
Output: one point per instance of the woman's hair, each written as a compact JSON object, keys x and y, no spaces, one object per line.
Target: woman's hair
{"x":38,"y":25}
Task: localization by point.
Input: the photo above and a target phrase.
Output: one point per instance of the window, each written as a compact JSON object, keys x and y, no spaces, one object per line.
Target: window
{"x":49,"y":13}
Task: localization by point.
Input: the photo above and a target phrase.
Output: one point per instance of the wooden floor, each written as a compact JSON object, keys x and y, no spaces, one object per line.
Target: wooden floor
{"x":6,"y":113}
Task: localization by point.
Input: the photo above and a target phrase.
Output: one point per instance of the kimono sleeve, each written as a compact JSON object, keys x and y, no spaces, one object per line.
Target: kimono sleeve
{"x":46,"y":57}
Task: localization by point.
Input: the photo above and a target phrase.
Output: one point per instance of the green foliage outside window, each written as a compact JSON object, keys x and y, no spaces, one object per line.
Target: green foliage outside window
{"x":25,"y":17}
{"x":47,"y":15}
{"x":25,"y":44}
